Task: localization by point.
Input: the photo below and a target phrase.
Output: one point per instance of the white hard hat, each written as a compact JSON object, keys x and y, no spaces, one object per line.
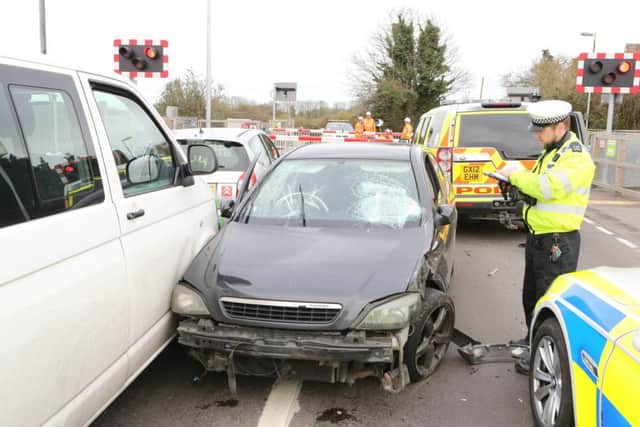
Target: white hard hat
{"x":368,"y":113}
{"x":407,"y":119}
{"x":359,"y":117}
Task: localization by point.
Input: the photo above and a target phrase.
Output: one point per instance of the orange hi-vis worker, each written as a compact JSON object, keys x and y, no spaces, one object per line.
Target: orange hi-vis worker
{"x":359,"y":127}
{"x":369,"y":123}
{"x":407,"y":130}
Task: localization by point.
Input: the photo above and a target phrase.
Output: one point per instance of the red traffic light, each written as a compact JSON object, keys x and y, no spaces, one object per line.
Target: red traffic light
{"x":151,"y":52}
{"x":624,"y":67}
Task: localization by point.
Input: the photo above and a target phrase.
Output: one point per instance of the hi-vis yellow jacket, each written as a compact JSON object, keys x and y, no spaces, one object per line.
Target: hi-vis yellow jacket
{"x":560,"y":182}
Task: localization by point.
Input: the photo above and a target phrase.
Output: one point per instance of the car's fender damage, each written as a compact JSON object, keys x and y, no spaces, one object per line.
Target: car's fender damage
{"x":326,"y":356}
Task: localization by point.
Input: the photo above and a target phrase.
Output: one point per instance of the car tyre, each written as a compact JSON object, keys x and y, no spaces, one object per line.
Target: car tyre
{"x":430,"y":335}
{"x":550,"y":378}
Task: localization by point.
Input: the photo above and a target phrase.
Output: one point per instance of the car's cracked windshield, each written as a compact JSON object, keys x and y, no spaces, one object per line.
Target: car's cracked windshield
{"x":329,"y":192}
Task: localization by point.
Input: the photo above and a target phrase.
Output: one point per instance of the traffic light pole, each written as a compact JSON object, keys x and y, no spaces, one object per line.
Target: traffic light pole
{"x":610,"y":113}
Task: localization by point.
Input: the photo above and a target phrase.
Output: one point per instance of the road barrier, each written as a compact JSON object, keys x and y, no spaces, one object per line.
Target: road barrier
{"x":617,"y":158}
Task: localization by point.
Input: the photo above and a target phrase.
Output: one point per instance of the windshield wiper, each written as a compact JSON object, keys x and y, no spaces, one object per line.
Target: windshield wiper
{"x":302,"y":215}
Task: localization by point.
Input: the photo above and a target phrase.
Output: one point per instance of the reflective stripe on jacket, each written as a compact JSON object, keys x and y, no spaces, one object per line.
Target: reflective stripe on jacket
{"x":560,"y":182}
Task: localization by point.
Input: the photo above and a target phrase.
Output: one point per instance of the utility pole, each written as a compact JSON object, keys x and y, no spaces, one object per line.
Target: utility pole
{"x":481,"y":87}
{"x":208,"y":63}
{"x":43,"y":29}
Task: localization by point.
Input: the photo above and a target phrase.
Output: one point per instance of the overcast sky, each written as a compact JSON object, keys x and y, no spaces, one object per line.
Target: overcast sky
{"x":257,"y":43}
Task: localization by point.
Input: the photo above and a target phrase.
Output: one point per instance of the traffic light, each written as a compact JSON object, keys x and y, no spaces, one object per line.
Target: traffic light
{"x":617,"y":73}
{"x":145,"y":58}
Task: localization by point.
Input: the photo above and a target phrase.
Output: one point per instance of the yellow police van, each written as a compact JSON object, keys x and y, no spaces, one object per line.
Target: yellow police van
{"x":470,"y":138}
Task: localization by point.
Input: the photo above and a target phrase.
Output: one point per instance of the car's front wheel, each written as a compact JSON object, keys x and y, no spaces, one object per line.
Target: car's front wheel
{"x":549,"y":377}
{"x":430,"y":335}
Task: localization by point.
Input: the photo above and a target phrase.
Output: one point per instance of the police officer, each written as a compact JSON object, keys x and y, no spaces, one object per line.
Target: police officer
{"x":556,"y":194}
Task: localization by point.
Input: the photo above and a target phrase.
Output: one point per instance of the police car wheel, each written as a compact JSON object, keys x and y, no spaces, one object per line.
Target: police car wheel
{"x":430,"y":335}
{"x":549,"y":377}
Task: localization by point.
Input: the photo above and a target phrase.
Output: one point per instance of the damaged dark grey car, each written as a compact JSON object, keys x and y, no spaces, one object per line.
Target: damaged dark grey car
{"x":335,"y":267}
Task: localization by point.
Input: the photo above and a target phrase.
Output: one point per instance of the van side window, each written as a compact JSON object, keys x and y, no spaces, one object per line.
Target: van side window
{"x":436,"y":128}
{"x":63,"y":173}
{"x":16,"y":189}
{"x":134,"y":135}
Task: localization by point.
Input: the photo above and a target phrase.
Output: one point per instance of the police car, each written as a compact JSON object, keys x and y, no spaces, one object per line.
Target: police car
{"x":470,"y":138}
{"x":235,"y":149}
{"x":585,"y":352}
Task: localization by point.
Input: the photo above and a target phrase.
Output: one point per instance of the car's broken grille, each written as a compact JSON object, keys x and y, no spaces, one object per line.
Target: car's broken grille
{"x":279,"y":311}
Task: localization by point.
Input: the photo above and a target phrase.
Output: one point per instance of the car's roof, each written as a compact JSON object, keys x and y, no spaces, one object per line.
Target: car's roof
{"x":225,"y":134}
{"x":352,"y":150}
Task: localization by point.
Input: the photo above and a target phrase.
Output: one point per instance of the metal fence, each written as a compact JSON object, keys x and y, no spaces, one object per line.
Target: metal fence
{"x":617,"y":158}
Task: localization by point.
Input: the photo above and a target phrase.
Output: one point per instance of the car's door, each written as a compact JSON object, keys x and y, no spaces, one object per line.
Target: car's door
{"x":63,"y":285}
{"x":163,"y":222}
{"x":619,"y":400}
{"x":442,"y":197}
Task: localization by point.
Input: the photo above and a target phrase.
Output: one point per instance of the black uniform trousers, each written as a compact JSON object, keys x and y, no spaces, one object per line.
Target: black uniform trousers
{"x":540,"y":270}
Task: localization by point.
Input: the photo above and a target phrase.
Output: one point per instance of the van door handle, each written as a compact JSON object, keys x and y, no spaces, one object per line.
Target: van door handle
{"x":135,"y":214}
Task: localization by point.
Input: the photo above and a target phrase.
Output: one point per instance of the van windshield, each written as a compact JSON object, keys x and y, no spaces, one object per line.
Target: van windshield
{"x":507,"y":133}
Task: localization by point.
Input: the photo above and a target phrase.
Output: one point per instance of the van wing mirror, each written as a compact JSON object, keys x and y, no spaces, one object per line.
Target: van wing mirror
{"x":202,"y":159}
{"x":143,"y":169}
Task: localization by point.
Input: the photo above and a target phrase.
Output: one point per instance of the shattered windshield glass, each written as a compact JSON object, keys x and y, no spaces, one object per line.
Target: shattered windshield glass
{"x":332,"y":192}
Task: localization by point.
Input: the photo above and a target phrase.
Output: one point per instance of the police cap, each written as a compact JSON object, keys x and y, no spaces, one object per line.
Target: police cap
{"x":547,"y":113}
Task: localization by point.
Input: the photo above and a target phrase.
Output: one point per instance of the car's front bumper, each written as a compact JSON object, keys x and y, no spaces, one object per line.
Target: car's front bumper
{"x":205,"y":334}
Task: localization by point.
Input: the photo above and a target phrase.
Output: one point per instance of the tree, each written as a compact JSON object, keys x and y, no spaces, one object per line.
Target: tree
{"x":406,"y":71}
{"x":188,"y":94}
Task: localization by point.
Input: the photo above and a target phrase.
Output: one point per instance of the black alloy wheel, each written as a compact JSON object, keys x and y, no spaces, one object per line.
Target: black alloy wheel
{"x":430,"y":335}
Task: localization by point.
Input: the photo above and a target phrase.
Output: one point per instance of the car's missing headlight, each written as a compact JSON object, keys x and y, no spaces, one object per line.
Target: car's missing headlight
{"x":187,"y":302}
{"x":392,"y":314}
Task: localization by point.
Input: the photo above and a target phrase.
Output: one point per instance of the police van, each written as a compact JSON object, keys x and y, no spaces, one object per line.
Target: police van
{"x":468,"y":139}
{"x":100,"y":215}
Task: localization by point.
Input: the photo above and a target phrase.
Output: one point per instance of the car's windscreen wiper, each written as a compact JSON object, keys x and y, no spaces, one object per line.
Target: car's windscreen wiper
{"x":302,"y":215}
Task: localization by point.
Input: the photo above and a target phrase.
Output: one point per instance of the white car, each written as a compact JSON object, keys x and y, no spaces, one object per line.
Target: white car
{"x":235,"y":149}
{"x":99,"y":218}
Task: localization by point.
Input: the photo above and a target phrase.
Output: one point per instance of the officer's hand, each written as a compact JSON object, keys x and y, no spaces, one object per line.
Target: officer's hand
{"x":509,"y":169}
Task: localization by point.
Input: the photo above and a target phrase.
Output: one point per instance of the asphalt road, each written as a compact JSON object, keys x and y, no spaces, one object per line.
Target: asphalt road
{"x":486,"y":291}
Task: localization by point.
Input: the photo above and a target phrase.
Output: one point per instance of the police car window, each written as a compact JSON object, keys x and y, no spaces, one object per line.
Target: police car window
{"x":436,"y":127}
{"x":64,"y":173}
{"x":135,"y":138}
{"x":231,"y":156}
{"x":507,"y":133}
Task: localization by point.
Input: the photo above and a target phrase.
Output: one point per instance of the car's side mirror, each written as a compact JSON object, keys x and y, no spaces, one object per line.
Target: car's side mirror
{"x":143,"y":169}
{"x":444,"y":215}
{"x":227,"y":207}
{"x":202,"y":159}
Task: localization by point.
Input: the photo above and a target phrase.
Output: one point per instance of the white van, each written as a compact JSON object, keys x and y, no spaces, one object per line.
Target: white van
{"x":100,"y":215}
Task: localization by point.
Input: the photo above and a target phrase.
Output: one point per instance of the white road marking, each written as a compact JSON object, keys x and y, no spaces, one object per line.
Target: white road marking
{"x":588,"y":221}
{"x":604,"y":230}
{"x":626,"y":243}
{"x":282,"y":403}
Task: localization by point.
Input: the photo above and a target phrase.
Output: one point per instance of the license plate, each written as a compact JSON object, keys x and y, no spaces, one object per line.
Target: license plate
{"x":214,"y":188}
{"x":472,"y":173}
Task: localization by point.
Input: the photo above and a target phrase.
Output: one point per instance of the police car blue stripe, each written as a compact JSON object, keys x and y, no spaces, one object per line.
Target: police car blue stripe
{"x":582,"y":337}
{"x":593,"y":307}
{"x":610,"y":415}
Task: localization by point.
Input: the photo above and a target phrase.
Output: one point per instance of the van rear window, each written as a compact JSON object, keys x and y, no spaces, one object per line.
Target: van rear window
{"x":507,"y":133}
